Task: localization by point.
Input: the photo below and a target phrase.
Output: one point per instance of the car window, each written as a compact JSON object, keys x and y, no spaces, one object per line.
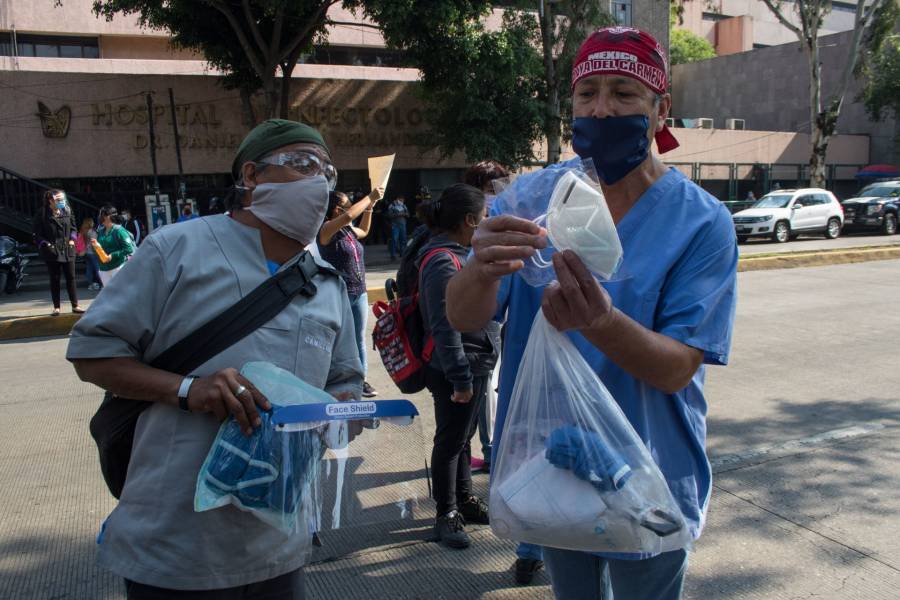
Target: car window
{"x":805,"y":201}
{"x":824,"y":199}
{"x":773,"y":201}
{"x":879,"y":190}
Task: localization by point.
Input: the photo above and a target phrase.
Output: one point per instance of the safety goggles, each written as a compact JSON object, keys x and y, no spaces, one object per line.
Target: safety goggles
{"x":307,"y":164}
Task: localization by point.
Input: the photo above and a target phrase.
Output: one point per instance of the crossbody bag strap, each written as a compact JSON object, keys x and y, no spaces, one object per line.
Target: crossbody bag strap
{"x":243,"y":318}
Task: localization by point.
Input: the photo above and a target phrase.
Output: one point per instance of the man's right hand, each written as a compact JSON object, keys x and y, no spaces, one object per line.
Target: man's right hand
{"x":216,"y":394}
{"x":502,"y":244}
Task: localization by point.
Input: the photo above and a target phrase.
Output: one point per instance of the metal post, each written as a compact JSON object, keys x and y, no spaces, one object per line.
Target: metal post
{"x":177,"y":145}
{"x":152,"y":145}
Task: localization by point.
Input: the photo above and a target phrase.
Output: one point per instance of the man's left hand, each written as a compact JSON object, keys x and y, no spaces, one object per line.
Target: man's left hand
{"x":576,"y":300}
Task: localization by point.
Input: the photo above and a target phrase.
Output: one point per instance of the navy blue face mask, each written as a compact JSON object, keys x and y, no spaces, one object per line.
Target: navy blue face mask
{"x":616,"y":144}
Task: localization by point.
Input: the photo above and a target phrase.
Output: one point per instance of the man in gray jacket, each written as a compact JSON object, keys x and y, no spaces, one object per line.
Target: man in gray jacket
{"x":179,"y":279}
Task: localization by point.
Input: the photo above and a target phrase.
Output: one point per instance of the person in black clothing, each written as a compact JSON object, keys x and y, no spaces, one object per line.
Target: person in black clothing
{"x":459,"y":371}
{"x":54,"y":234}
{"x":132,"y":226}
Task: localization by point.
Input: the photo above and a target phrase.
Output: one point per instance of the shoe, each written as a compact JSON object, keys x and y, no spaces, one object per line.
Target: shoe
{"x":526,"y":568}
{"x":480,"y":466}
{"x":451,"y":532}
{"x":94,"y":286}
{"x":475,"y":510}
{"x":368,"y":390}
{"x":55,"y":312}
{"x":77,"y":310}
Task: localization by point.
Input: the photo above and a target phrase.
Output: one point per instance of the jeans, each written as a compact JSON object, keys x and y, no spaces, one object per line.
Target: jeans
{"x":398,"y":239}
{"x":359,"y":305}
{"x":451,"y":473}
{"x":581,"y":576}
{"x":62,"y":268}
{"x":289,"y":586}
{"x":526,"y":550}
{"x":92,"y":269}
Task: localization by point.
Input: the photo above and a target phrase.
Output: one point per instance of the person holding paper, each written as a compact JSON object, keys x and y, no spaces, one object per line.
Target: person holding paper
{"x":339,"y":244}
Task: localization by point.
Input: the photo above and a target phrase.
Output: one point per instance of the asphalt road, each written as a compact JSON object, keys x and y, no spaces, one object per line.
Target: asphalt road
{"x":804,"y":434}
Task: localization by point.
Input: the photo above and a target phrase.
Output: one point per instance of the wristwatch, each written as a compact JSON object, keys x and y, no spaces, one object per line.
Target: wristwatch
{"x":183,"y":391}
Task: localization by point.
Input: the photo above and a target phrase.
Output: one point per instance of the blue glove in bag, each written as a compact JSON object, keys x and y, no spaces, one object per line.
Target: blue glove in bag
{"x":272,"y":473}
{"x":585,"y":454}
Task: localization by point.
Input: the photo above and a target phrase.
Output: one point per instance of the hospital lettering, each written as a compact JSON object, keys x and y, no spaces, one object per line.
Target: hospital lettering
{"x":358,"y":117}
{"x":110,"y":114}
{"x":212,"y":141}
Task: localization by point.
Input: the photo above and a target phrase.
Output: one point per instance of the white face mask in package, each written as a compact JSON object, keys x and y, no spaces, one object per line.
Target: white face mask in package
{"x":577,"y":220}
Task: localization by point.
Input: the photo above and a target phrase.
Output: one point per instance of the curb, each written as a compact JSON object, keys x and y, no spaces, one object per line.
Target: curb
{"x":48,"y":326}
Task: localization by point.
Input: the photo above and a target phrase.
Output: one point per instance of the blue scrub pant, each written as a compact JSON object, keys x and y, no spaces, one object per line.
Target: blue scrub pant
{"x":398,"y":239}
{"x":359,"y":306}
{"x":582,"y":576}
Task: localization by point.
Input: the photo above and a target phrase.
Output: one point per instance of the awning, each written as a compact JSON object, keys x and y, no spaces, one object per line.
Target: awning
{"x":878,"y":171}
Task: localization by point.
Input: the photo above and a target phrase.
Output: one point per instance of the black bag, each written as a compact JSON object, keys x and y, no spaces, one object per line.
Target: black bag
{"x":114,"y":423}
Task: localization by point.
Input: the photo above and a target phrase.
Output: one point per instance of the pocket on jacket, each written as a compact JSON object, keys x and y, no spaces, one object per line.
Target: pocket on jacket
{"x":314,"y":353}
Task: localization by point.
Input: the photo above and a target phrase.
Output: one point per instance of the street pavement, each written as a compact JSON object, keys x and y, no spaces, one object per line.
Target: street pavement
{"x":804,"y":435}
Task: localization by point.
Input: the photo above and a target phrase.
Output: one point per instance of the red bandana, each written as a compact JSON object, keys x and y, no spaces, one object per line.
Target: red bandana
{"x":629,"y":52}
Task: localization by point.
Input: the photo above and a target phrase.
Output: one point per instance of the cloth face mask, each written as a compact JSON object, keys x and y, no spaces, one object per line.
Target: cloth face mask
{"x":617,"y":145}
{"x":579,"y":220}
{"x":295,"y":209}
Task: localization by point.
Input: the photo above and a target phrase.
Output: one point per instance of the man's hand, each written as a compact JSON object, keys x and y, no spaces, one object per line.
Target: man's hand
{"x":501,"y":245}
{"x":217,"y":394}
{"x":463,"y":397}
{"x":576,"y":300}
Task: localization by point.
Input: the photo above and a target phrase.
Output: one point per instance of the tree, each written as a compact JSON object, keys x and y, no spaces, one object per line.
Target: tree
{"x":870,"y":18}
{"x":252,"y":41}
{"x":882,"y":92}
{"x":687,"y":47}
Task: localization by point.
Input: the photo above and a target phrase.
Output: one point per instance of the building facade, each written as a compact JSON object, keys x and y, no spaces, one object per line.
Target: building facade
{"x":733,"y":26}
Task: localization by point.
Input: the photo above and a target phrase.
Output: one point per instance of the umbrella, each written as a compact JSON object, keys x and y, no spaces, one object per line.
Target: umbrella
{"x":878,"y":171}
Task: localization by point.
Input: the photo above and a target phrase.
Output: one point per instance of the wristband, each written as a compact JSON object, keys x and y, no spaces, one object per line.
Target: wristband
{"x":183,"y":391}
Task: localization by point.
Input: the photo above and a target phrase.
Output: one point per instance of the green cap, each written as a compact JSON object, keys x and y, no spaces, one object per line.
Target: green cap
{"x":270,"y":135}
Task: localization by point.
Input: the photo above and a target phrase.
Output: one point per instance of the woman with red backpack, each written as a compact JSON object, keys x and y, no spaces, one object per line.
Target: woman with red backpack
{"x":458,"y":374}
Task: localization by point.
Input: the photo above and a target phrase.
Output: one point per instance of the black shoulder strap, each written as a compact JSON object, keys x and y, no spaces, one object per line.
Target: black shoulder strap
{"x":243,"y":318}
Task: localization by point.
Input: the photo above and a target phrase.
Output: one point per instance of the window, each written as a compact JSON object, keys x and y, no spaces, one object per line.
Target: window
{"x":367,"y":56}
{"x":621,"y":11}
{"x":49,"y":46}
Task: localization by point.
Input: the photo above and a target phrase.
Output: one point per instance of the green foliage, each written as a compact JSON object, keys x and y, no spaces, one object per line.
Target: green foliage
{"x":882,"y":92}
{"x":687,"y":47}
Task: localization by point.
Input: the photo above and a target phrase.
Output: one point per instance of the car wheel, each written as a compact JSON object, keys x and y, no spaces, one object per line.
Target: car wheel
{"x":743,"y":238}
{"x":833,"y":229}
{"x":889,"y":227}
{"x":782,"y":232}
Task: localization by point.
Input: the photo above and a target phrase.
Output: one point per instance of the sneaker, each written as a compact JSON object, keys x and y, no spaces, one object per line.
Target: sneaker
{"x":526,"y":568}
{"x":94,"y":286}
{"x":77,"y":310}
{"x":451,"y":532}
{"x":368,"y":390}
{"x":475,"y":510}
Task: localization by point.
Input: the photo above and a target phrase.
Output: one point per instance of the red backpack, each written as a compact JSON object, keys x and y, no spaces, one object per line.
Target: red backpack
{"x":400,"y":335}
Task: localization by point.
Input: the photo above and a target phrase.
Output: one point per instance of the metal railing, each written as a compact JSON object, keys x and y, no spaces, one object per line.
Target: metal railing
{"x":21,"y":197}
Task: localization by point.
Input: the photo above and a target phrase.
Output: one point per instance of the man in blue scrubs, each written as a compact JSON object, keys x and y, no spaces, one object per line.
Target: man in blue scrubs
{"x":648,"y":333}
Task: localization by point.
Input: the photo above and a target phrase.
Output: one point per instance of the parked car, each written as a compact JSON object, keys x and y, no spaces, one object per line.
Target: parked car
{"x":876,"y":207}
{"x":784,"y":214}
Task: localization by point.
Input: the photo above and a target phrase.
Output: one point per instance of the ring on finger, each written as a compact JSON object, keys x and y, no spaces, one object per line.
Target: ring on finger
{"x":240,"y":390}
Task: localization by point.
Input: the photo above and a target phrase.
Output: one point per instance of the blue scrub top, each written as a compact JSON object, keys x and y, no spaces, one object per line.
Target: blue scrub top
{"x":678,"y":278}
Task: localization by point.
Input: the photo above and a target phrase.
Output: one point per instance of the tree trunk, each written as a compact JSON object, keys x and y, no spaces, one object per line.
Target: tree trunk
{"x":248,"y":114}
{"x":552,"y":121}
{"x":818,"y":135}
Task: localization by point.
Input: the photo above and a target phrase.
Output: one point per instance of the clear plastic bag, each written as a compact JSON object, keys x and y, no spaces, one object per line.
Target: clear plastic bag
{"x":571,"y":471}
{"x":315,"y":463}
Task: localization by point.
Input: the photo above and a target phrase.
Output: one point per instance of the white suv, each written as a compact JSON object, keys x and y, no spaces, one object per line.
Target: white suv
{"x":785,"y":214}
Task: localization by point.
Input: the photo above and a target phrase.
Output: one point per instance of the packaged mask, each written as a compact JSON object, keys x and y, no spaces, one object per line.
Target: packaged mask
{"x":577,"y":220}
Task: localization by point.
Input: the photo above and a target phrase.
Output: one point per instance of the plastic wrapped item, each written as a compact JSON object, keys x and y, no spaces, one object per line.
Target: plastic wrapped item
{"x":314,"y":459}
{"x":577,"y":219}
{"x":571,"y":472}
